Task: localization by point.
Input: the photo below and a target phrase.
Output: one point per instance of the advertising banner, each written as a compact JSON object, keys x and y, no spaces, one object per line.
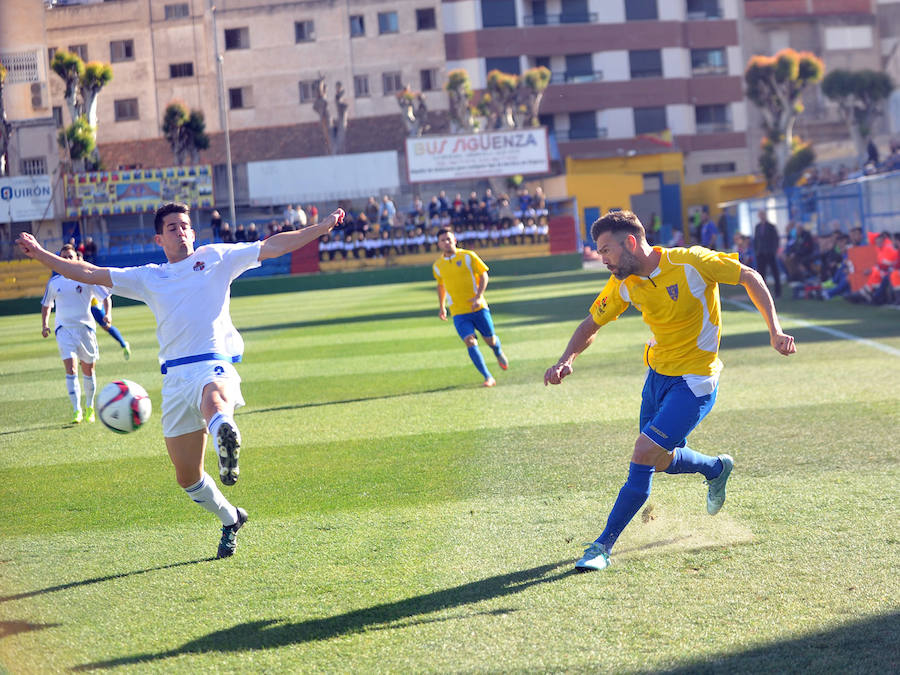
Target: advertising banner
{"x":103,"y":193}
{"x":24,"y":198}
{"x":481,"y":155}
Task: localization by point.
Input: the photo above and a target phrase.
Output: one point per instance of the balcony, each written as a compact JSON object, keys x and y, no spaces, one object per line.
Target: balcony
{"x":557,"y":19}
{"x":713,"y":127}
{"x":569,"y":135}
{"x":574,"y":78}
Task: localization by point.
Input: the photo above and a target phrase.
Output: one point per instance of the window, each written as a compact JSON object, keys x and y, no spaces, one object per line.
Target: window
{"x":429,"y":79}
{"x":181,"y":70}
{"x":650,"y":120}
{"x":548,"y":121}
{"x":721,"y":167}
{"x":579,"y":68}
{"x":712,"y":118}
{"x":57,"y":116}
{"x":21,"y":67}
{"x":80,"y":51}
{"x":126,"y":109}
{"x":361,"y":86}
{"x":574,"y":11}
{"x":357,"y":25}
{"x":237,"y":38}
{"x":425,"y":19}
{"x":121,"y":50}
{"x":387,"y":23}
{"x":304,"y":31}
{"x":848,"y":37}
{"x":640,"y":10}
{"x":240,"y":97}
{"x":33,"y":166}
{"x":582,"y":125}
{"x":177,"y":11}
{"x":645,"y":63}
{"x":495,"y":13}
{"x":703,"y":9}
{"x":505,"y":64}
{"x":307,"y":90}
{"x":709,"y":62}
{"x":392,"y":82}
{"x":539,"y":13}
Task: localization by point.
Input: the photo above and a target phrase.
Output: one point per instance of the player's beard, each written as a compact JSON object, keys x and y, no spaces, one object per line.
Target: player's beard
{"x":627,"y":266}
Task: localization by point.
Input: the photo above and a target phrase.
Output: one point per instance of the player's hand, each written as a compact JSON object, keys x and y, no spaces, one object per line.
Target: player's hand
{"x":28,"y":244}
{"x":442,"y":313}
{"x":45,"y":331}
{"x":335,"y":218}
{"x":556,"y":373}
{"x":475,"y":301}
{"x":784,"y":344}
{"x":107,"y":321}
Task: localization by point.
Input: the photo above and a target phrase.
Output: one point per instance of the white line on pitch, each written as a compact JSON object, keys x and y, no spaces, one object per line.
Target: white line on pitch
{"x":830,"y":331}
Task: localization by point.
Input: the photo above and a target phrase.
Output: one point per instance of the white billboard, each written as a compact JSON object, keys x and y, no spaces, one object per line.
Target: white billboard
{"x":328,"y":178}
{"x":24,"y":198}
{"x":481,"y":155}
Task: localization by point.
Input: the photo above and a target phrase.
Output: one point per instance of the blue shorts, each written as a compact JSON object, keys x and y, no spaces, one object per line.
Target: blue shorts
{"x":670,"y":410}
{"x":466,"y":324}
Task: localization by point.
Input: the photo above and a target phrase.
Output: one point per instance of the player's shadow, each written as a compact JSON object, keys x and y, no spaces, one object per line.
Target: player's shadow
{"x":98,"y":580}
{"x":361,"y":399}
{"x":272,"y":633}
{"x":42,"y":427}
{"x":9,"y":628}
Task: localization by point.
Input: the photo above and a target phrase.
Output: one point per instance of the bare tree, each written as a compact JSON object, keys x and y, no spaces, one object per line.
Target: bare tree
{"x":334,"y":129}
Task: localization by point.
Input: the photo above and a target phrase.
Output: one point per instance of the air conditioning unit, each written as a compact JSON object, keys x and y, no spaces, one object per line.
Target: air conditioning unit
{"x":39,"y":98}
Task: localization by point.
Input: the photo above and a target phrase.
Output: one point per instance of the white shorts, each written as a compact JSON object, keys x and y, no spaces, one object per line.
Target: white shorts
{"x":77,"y":342}
{"x":182,"y":392}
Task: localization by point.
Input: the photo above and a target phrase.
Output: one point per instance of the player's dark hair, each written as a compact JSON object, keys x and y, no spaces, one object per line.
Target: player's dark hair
{"x":166,"y":209}
{"x":445,"y":230}
{"x":618,"y":221}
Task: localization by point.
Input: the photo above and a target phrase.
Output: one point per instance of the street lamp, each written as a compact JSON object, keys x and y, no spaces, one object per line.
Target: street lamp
{"x":223,"y":113}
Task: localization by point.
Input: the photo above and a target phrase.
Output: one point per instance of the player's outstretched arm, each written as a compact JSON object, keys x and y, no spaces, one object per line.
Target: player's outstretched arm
{"x":442,"y":300}
{"x":581,"y":339}
{"x":45,"y":321}
{"x":285,"y":242}
{"x":759,"y":293}
{"x":78,"y":270}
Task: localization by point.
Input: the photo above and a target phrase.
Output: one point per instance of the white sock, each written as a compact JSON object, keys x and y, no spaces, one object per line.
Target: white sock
{"x":74,"y":390}
{"x":90,"y":387}
{"x":207,"y":495}
{"x":215,"y":423}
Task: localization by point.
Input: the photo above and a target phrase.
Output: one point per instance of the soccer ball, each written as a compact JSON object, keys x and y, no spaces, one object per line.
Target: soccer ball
{"x":123,"y":406}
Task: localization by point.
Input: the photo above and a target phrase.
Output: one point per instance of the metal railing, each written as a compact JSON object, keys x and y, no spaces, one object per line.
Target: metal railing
{"x":557,"y":19}
{"x":572,"y":78}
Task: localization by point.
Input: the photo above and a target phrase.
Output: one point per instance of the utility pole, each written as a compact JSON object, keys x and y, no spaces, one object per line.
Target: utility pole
{"x":223,"y":112}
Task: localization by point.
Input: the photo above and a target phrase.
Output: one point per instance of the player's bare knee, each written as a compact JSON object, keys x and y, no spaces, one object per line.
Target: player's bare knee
{"x":648,"y":452}
{"x":470,"y":340}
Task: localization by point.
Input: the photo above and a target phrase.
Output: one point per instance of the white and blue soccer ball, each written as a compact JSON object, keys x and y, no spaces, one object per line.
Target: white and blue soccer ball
{"x":123,"y":406}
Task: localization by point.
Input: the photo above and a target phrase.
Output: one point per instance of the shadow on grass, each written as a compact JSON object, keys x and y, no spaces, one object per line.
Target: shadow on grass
{"x":43,"y":427}
{"x":361,"y":399}
{"x":271,"y":633}
{"x":97,"y":580}
{"x":868,"y":646}
{"x":8,"y":628}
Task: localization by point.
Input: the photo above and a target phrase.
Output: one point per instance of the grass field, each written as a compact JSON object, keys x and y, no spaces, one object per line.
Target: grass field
{"x":403,"y":519}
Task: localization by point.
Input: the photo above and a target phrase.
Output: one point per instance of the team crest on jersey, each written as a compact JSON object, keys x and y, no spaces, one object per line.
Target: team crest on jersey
{"x":199,"y":265}
{"x":459,"y":263}
{"x":601,"y":304}
{"x":673,"y":291}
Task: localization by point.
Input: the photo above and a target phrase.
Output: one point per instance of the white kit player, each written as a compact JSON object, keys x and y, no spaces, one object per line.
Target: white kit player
{"x":198,"y":344}
{"x":75,"y":332}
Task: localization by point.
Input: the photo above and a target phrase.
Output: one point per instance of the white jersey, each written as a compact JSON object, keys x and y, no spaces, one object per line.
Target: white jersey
{"x":190,"y":299}
{"x":73,"y":300}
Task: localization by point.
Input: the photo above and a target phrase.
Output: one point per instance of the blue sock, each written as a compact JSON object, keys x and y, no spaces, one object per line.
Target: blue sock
{"x":478,"y":360}
{"x":631,"y":498}
{"x":496,"y":345}
{"x":686,"y":460}
{"x":117,"y":335}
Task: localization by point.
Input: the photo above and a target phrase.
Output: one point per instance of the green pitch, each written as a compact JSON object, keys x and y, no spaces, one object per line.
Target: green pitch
{"x":403,"y":519}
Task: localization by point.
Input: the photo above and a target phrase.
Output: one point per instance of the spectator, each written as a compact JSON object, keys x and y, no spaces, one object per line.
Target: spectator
{"x":765,"y":247}
{"x":240,"y":234}
{"x":800,"y":254}
{"x":387,"y":214}
{"x":313,"y":215}
{"x":301,"y":217}
{"x":709,"y":232}
{"x":745,"y":250}
{"x":252,"y":233}
{"x":90,"y":250}
{"x":227,"y":234}
{"x":215,"y":224}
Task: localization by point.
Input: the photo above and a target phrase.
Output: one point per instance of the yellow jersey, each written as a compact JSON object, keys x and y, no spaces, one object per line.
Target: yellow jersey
{"x":680,"y":302}
{"x":459,"y":277}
